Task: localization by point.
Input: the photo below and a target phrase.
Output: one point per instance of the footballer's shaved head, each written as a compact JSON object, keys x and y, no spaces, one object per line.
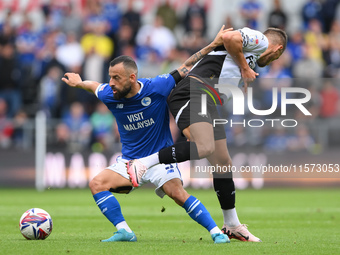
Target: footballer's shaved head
{"x":128,"y":62}
{"x":277,"y":36}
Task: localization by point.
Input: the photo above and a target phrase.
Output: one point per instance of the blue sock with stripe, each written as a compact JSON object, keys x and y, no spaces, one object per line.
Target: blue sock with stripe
{"x":109,"y":206}
{"x":199,"y":213}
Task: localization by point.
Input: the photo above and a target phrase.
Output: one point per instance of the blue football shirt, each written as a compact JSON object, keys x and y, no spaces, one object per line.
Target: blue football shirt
{"x":143,"y":120}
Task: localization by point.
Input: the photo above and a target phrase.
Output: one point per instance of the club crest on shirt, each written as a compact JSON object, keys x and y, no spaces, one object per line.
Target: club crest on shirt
{"x":253,"y":40}
{"x":146,"y":101}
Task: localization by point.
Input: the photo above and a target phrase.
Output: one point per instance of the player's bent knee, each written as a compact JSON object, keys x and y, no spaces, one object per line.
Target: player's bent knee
{"x":205,"y":150}
{"x":96,"y":185}
{"x":93,"y":185}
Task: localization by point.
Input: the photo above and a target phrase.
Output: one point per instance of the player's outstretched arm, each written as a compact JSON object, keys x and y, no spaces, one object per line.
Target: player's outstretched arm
{"x":190,"y":62}
{"x":233,"y":43}
{"x":74,"y":80}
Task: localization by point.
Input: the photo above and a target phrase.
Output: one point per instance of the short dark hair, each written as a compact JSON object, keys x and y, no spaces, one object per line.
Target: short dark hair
{"x":127,"y":61}
{"x":277,"y":36}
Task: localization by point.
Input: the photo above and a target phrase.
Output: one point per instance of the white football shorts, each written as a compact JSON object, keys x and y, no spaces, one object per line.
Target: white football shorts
{"x":157,"y":175}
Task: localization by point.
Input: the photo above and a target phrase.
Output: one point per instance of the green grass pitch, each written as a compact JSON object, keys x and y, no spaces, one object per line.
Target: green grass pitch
{"x":289,"y":221}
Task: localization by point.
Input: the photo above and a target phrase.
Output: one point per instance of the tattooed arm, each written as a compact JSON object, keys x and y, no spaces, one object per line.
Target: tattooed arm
{"x":190,"y":62}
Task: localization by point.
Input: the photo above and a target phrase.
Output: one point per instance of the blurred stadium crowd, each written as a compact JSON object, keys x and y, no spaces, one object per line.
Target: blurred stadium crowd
{"x":83,"y":36}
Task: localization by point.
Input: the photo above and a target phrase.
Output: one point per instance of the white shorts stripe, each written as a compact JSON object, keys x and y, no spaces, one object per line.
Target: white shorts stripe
{"x":180,"y":111}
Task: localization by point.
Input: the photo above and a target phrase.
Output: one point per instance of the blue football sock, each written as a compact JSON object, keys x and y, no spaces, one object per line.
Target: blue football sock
{"x":199,"y":213}
{"x":109,"y":206}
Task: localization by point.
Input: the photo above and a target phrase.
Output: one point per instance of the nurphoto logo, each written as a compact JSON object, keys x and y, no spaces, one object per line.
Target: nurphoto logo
{"x":238,"y":99}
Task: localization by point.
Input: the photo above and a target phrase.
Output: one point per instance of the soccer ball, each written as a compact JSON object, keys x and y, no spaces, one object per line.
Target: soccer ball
{"x":35,"y":224}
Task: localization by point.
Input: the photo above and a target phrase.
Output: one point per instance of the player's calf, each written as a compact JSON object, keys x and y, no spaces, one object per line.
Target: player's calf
{"x":174,"y":189}
{"x":197,"y":211}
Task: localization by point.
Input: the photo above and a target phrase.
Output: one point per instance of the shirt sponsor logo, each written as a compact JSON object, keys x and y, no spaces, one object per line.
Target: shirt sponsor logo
{"x":138,"y":125}
{"x":137,"y":121}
